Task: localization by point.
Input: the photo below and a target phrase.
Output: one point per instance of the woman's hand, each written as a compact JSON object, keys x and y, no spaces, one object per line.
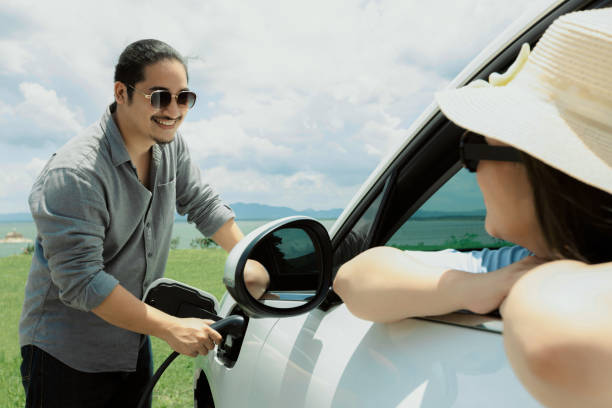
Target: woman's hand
{"x":495,"y":286}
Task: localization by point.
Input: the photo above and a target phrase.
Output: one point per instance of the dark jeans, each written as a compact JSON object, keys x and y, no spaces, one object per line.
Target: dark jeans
{"x":50,"y":383}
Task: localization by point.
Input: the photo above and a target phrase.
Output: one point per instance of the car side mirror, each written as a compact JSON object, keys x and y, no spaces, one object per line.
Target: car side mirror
{"x":296,"y":253}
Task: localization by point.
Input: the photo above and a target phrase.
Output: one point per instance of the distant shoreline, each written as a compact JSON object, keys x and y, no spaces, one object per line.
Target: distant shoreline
{"x":449,"y":217}
{"x":4,"y":220}
{"x":15,"y":241}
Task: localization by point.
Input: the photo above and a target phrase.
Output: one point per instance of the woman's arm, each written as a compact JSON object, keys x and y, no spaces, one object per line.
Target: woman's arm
{"x":386,"y":284}
{"x":558,"y":333}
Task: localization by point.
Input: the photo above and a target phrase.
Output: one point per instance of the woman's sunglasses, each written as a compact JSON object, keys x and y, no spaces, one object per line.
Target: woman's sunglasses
{"x":473,"y":148}
{"x":161,"y":98}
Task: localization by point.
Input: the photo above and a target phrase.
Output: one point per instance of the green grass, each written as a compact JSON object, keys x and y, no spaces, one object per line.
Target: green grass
{"x":13,"y":274}
{"x":196,"y":267}
{"x":467,"y":241}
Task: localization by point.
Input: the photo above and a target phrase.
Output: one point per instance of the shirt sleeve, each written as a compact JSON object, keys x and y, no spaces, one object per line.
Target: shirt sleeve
{"x":196,"y":198}
{"x":481,"y":261}
{"x":70,"y":216}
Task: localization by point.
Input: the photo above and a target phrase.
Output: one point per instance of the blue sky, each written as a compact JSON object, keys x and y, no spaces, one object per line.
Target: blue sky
{"x":298,"y":101}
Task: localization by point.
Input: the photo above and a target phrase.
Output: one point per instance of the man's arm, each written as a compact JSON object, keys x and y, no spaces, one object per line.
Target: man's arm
{"x":228,"y":235}
{"x":184,"y":335}
{"x":256,"y":277}
{"x":207,"y":211}
{"x":558,"y":333}
{"x":386,"y":284}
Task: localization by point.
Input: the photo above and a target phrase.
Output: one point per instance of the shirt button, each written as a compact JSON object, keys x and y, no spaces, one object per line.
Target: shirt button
{"x":148,"y":225}
{"x":150,"y":254}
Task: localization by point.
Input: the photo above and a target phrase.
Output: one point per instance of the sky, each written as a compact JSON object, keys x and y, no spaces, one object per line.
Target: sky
{"x":298,"y":101}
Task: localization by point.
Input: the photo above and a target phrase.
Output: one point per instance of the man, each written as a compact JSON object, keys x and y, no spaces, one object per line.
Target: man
{"x":104,"y":208}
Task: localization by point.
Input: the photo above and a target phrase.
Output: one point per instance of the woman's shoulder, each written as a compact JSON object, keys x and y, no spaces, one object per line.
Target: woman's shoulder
{"x":569,"y":286}
{"x":569,"y":270}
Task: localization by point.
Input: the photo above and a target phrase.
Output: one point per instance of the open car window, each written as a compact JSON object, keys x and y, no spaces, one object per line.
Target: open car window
{"x":453,"y":217}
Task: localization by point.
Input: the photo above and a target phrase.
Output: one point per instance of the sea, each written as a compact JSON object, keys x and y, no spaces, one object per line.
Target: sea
{"x":416,"y":232}
{"x":184,"y":231}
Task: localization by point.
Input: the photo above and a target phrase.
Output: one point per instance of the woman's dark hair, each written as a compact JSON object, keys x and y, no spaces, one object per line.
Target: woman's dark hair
{"x":138,"y":55}
{"x":576,"y":219}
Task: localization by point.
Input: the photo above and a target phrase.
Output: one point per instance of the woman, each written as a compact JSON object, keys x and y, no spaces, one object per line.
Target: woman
{"x":542,"y":148}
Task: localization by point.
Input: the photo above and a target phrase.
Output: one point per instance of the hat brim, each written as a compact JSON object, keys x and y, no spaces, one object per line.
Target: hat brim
{"x":519,"y":118}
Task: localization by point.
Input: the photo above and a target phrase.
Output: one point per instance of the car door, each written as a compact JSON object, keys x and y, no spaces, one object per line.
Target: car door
{"x":331,"y":358}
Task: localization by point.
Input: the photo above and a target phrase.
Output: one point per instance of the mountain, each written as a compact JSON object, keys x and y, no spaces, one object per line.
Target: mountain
{"x":254,"y":211}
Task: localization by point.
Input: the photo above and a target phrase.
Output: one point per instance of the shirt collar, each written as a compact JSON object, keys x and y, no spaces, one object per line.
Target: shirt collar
{"x":119,"y":153}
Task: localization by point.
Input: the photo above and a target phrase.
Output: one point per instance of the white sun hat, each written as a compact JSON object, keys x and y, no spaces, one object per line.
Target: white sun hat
{"x":554,"y":104}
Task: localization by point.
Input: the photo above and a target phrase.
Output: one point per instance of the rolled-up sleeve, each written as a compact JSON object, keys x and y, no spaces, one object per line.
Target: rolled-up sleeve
{"x":71,"y":217}
{"x":196,"y":198}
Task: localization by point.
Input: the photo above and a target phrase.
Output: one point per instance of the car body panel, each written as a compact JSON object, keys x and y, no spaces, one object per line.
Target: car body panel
{"x":230,"y":386}
{"x":333,"y":359}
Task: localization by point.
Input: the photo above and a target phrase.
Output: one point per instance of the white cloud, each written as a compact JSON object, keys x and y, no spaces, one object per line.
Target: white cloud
{"x":383,"y":135}
{"x":5,"y":110}
{"x":48,"y":111}
{"x":16,"y":180}
{"x":298,"y":96}
{"x":230,"y":182}
{"x":35,"y":166}
{"x":42,"y":117}
{"x":304,"y":180}
{"x":300,"y":190}
{"x":224,"y":136}
{"x":14,"y":57}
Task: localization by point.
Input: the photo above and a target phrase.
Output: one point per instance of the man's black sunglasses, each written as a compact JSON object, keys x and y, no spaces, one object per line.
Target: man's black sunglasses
{"x":473,"y":148}
{"x":161,"y":98}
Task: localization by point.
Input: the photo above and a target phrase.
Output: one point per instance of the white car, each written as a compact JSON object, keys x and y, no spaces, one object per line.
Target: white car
{"x":300,"y":347}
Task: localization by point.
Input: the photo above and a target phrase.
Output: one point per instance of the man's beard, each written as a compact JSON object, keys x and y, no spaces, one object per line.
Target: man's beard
{"x":162,"y":142}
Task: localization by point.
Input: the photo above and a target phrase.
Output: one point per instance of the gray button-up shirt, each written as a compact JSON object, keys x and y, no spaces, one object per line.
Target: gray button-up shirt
{"x":98,"y":226}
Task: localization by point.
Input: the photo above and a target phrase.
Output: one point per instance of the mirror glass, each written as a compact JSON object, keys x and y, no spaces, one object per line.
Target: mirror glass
{"x":292,"y":269}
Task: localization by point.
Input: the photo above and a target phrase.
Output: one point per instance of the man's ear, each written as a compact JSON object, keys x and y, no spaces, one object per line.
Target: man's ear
{"x":120,"y":90}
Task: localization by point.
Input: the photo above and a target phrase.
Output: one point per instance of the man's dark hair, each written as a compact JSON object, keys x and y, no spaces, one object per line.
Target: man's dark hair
{"x":576,"y":219}
{"x":138,"y":55}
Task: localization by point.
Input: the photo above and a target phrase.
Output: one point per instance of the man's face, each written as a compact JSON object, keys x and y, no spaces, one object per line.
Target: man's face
{"x":149,"y":124}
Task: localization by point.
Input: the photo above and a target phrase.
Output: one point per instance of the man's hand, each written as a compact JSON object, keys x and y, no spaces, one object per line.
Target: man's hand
{"x":191,"y":336}
{"x":256,"y":278}
{"x":188,"y":336}
{"x":495,"y":286}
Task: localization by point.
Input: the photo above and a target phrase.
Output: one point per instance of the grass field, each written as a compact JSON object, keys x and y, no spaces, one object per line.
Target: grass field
{"x":202,"y":268}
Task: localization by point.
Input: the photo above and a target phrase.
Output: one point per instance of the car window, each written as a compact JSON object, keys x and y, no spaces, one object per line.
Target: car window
{"x":453,"y":217}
